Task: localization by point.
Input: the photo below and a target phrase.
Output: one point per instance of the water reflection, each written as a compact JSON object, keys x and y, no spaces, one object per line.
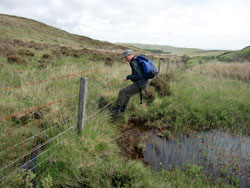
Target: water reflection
{"x":220,"y":153}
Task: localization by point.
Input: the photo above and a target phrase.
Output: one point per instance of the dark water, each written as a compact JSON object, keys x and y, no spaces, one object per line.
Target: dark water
{"x":219,"y":153}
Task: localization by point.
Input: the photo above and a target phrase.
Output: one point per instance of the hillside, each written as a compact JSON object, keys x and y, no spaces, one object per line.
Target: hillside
{"x":175,"y":50}
{"x":13,"y":27}
{"x":240,"y":55}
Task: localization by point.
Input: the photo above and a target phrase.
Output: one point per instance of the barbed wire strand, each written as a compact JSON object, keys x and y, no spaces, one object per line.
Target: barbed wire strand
{"x":28,"y":162}
{"x":35,"y":108}
{"x":50,"y":140}
{"x":40,"y":169}
{"x":27,"y":139}
{"x":47,"y":130}
{"x":50,"y":79}
{"x":37,"y":157}
{"x":36,"y":135}
{"x":32,"y":123}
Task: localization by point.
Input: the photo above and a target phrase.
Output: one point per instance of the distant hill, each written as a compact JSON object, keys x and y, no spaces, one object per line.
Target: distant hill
{"x":240,"y":55}
{"x":166,"y":49}
{"x":13,"y":27}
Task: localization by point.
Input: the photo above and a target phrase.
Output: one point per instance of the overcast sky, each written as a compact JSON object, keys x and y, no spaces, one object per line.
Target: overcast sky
{"x":206,"y":24}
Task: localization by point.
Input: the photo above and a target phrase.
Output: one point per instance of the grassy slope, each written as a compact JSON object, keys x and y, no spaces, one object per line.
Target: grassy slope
{"x":12,"y":27}
{"x":238,"y":56}
{"x":93,"y":159}
{"x":177,"y":50}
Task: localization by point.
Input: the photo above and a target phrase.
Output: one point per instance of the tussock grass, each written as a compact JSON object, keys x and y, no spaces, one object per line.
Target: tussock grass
{"x":239,"y":71}
{"x":200,"y":103}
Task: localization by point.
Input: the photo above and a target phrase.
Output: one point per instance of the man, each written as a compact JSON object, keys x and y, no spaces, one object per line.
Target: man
{"x":139,"y":84}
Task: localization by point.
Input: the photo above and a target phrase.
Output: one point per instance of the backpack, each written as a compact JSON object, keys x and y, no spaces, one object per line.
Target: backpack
{"x":149,"y":70}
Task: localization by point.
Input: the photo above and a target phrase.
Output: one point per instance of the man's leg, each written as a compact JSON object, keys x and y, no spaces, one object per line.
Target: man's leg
{"x":126,"y":93}
{"x":124,"y":96}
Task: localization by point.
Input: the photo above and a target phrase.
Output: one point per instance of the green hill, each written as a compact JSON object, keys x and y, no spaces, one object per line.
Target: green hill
{"x":166,"y":49}
{"x":13,"y":27}
{"x":241,"y":55}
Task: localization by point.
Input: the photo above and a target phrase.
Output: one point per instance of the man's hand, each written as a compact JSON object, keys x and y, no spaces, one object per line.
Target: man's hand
{"x":125,"y":79}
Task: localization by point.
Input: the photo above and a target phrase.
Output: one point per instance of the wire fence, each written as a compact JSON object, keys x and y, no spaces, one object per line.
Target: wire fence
{"x":29,"y":145}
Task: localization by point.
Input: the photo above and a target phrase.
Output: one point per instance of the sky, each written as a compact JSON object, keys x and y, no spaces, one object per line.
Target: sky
{"x":205,"y":24}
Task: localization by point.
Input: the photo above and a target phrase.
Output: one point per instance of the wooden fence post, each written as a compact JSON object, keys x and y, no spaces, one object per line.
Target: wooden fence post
{"x":82,"y":103}
{"x":168,"y":65}
{"x":159,"y":67}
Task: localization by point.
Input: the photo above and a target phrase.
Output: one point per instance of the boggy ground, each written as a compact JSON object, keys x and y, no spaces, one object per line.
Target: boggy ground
{"x":24,"y":53}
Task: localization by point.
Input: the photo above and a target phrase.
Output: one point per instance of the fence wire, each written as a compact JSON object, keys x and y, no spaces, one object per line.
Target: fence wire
{"x":51,"y":79}
{"x":41,"y":146}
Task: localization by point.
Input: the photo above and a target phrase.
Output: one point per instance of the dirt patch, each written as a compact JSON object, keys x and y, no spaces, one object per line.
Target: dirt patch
{"x":10,"y":52}
{"x":36,"y":46}
{"x":16,"y":59}
{"x":129,"y":142}
{"x":43,"y":63}
{"x":131,"y":138}
{"x":46,"y":56}
{"x":25,"y":52}
{"x":18,"y":42}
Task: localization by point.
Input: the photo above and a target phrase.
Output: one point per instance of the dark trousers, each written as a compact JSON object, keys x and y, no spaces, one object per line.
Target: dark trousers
{"x":129,"y":91}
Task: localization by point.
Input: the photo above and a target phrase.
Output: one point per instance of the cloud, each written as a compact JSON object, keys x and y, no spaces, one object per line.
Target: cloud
{"x":189,"y":23}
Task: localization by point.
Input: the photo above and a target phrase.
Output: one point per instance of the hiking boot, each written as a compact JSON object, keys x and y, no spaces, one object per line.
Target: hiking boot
{"x":123,"y":108}
{"x":116,"y":111}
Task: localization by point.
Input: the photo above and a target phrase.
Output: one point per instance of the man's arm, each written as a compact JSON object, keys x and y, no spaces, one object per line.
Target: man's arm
{"x":136,"y":72}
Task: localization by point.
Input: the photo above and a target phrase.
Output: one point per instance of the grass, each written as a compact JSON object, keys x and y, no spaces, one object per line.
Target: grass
{"x":93,"y":159}
{"x":236,"y":56}
{"x":238,"y":71}
{"x":200,"y":102}
{"x":97,"y":147}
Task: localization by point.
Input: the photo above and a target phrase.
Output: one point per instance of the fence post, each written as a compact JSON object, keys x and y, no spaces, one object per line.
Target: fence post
{"x":159,"y":67}
{"x":168,"y":65}
{"x":82,"y":103}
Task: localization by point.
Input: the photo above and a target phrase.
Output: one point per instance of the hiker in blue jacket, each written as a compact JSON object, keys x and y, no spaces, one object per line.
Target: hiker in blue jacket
{"x":139,"y":83}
